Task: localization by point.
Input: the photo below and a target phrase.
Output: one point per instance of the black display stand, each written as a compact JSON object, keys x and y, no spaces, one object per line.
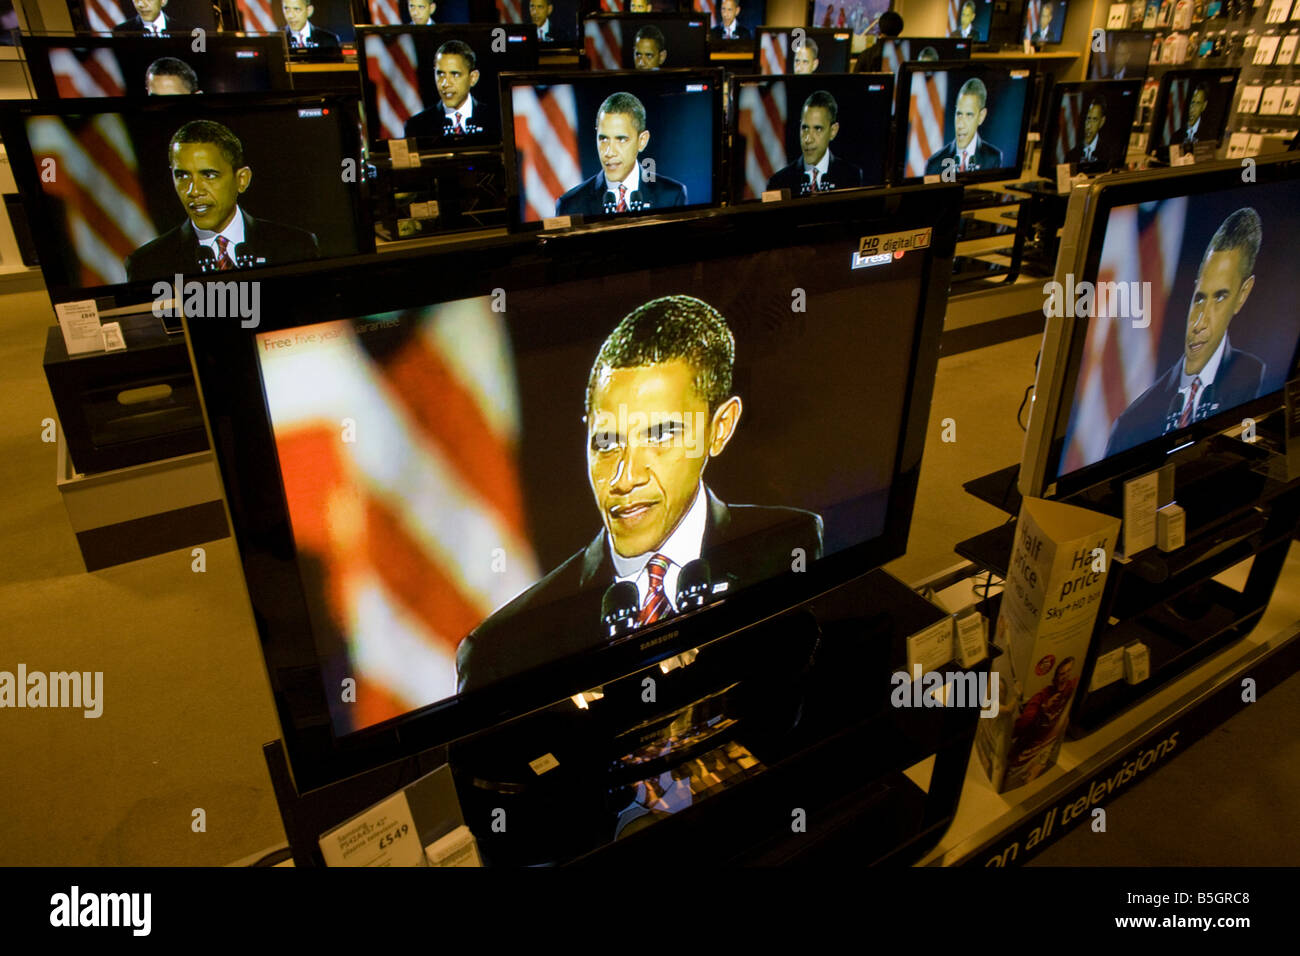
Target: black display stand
{"x":971,"y":272}
{"x":468,"y":189}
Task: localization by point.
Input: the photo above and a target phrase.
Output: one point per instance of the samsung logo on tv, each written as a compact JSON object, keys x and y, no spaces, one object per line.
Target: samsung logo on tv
{"x":658,"y":640}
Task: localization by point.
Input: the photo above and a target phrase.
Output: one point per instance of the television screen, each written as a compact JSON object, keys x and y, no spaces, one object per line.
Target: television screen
{"x":137,"y":67}
{"x":1044,"y":20}
{"x":598,"y":144}
{"x":812,"y":134}
{"x":439,"y":85}
{"x":970,"y":19}
{"x":556,"y":21}
{"x":887,"y":55}
{"x":149,"y":16}
{"x":965,"y":117}
{"x":320,"y":32}
{"x":645,"y":42}
{"x":1124,"y":56}
{"x":129,"y":193}
{"x":1088,"y":125}
{"x":732,"y":20}
{"x":641,"y":6}
{"x":1191,"y":107}
{"x":8,"y":22}
{"x":423,"y":13}
{"x":796,"y":50}
{"x":858,"y":16}
{"x":567,"y":456}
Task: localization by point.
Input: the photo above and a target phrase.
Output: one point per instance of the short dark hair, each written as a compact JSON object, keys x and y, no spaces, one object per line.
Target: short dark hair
{"x":456,"y":48}
{"x":1203,"y":88}
{"x":626,"y":104}
{"x":968,"y":3}
{"x":891,"y":23}
{"x":170,"y":66}
{"x":652,"y":33}
{"x":1097,"y":101}
{"x":975,"y":87}
{"x":1242,"y":231}
{"x":810,"y":43}
{"x":669,"y":328}
{"x":825,"y":101}
{"x":210,"y":131}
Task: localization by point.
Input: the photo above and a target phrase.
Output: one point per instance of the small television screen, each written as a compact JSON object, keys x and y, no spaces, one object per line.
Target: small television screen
{"x":888,"y":54}
{"x":965,"y":117}
{"x":1044,"y":20}
{"x":732,"y":21}
{"x":796,"y":50}
{"x":420,"y":13}
{"x":137,"y":67}
{"x":8,"y":22}
{"x":1191,"y":107}
{"x":438,"y":85}
{"x":812,"y":134}
{"x":154,"y":17}
{"x":149,"y":189}
{"x":970,"y":19}
{"x":1125,"y":55}
{"x":600,"y":144}
{"x":1088,"y":125}
{"x":645,"y":41}
{"x":556,"y":21}
{"x":319,"y":29}
{"x":857,"y":16}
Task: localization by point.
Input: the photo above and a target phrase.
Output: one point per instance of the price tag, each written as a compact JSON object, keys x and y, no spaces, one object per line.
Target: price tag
{"x":1063,"y":184}
{"x":383,"y":835}
{"x":932,"y":178}
{"x":1108,"y":668}
{"x":556,"y":222}
{"x":80,"y":324}
{"x":1029,"y":47}
{"x":930,"y":648}
{"x":399,"y":151}
{"x":111,"y":332}
{"x":772,"y":195}
{"x":971,"y":643}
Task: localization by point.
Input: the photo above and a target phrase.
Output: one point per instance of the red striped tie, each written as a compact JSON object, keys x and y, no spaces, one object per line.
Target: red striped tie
{"x":1186,"y":416}
{"x":656,"y":602}
{"x":224,"y":262}
{"x":622,"y":199}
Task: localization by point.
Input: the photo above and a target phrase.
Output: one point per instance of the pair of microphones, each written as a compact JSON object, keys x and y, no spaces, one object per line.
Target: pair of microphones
{"x":621,"y":604}
{"x":634,"y":201}
{"x":208,"y":258}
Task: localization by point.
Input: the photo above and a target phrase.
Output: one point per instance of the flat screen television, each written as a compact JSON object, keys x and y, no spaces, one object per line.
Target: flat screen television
{"x":732,"y":23}
{"x":547,"y":428}
{"x":555,"y":21}
{"x":858,"y":16}
{"x":438,"y":85}
{"x":811,"y":134}
{"x":611,"y":144}
{"x":799,"y":50}
{"x":322,"y":32}
{"x":968,"y":116}
{"x":1125,"y":55}
{"x":970,"y":19}
{"x":9,"y":22}
{"x":888,"y":54}
{"x":121,"y":194}
{"x":1192,"y":106}
{"x":1044,"y":20}
{"x":425,"y":13}
{"x":645,"y":41}
{"x":1187,"y":327}
{"x":1088,"y":125}
{"x":178,"y":17}
{"x":136,"y":67}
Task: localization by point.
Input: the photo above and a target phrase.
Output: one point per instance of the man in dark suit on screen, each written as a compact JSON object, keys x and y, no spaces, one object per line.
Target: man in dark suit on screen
{"x":209,"y":174}
{"x":1210,"y":376}
{"x":151,"y":21}
{"x":965,"y":22}
{"x":729,"y":28}
{"x":1190,"y":133}
{"x":621,"y":135}
{"x":817,"y":170}
{"x":968,"y":152}
{"x":458,"y":113}
{"x":300,"y":32}
{"x":1087,"y":150}
{"x":659,"y":409}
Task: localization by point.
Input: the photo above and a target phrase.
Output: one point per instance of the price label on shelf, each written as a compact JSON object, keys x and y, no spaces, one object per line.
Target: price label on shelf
{"x":383,"y":835}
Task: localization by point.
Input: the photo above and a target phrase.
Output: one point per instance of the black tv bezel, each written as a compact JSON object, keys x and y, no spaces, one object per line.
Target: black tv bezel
{"x":231,"y":388}
{"x":379,"y":147}
{"x":1126,"y":189}
{"x":876,"y":50}
{"x":815,"y":33}
{"x":124,"y":294}
{"x":712,"y":75}
{"x":1161,"y":104}
{"x":1048,"y":169}
{"x":1024,"y":24}
{"x":36,"y":50}
{"x":903,"y":93}
{"x":679,"y":16}
{"x":1111,"y":35}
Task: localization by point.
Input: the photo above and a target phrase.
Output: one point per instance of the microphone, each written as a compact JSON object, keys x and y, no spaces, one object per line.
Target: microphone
{"x":242,"y":255}
{"x":634,"y":201}
{"x":608,"y":200}
{"x":694,"y":585}
{"x":618,"y":609}
{"x":207,"y":260}
{"x":1175,"y":411}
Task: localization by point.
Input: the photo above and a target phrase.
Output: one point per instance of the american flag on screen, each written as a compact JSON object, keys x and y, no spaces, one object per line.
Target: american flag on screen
{"x":1142,"y":244}
{"x":81,"y":73}
{"x":611,"y":6}
{"x":390,"y":65}
{"x":1067,"y":125}
{"x":386,"y":13}
{"x":891,"y":56}
{"x":711,"y":7}
{"x":762,"y":114}
{"x":1032,"y":8}
{"x":925,"y":120}
{"x":406,"y":518}
{"x":95,"y":176}
{"x":604,"y":44}
{"x":257,"y":16}
{"x":513,"y":11}
{"x":954,"y":15}
{"x":102,"y":15}
{"x":1175,"y":110}
{"x":546,"y":144}
{"x":773,"y":49}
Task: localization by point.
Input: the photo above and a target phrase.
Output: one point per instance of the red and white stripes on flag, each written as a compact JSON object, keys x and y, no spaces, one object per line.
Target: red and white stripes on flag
{"x":94,"y":173}
{"x":1175,"y":110}
{"x":1067,"y":125}
{"x":1032,"y":9}
{"x":710,"y":7}
{"x":546,"y":147}
{"x":611,"y":6}
{"x":762,"y":113}
{"x":604,"y":44}
{"x":102,"y":15}
{"x":416,"y":516}
{"x":926,"y":111}
{"x":891,"y":56}
{"x":386,"y":13}
{"x":954,"y":15}
{"x":82,"y":73}
{"x":1142,"y":244}
{"x":513,"y":11}
{"x":257,"y":16}
{"x":773,"y":50}
{"x":391,"y":67}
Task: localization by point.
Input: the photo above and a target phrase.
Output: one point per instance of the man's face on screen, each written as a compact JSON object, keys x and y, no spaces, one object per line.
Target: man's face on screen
{"x":968,"y":118}
{"x":207,"y":185}
{"x":803,"y":60}
{"x":648,"y":435}
{"x":1195,"y":107}
{"x":296,"y":14}
{"x":454,"y":79}
{"x":1123,"y":53}
{"x":538,"y":11}
{"x":166,"y":84}
{"x":967,"y":15}
{"x":815,"y":133}
{"x":149,"y":9}
{"x":1092,"y":123}
{"x":647,"y":55}
{"x":1219,"y":295}
{"x":729,"y":11}
{"x":1045,"y":18}
{"x":618,"y":143}
{"x":640,"y":6}
{"x":420,"y":11}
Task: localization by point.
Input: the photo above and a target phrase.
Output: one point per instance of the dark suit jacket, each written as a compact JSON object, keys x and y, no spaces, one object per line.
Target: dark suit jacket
{"x":987,"y":156}
{"x":840,"y":174}
{"x":265,"y":243}
{"x":744,"y":544}
{"x":588,"y":198}
{"x":1180,"y":136}
{"x":1156,"y":410}
{"x":136,"y":25}
{"x":319,"y":39}
{"x":1099,"y":155}
{"x":742,"y":33}
{"x":431,"y":123}
{"x":557,"y":37}
{"x":956,"y":34}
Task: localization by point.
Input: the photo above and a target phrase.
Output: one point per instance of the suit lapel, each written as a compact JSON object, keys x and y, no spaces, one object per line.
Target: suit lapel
{"x":597,"y":565}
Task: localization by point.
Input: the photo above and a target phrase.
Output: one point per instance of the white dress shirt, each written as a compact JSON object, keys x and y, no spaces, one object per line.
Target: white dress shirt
{"x":682,"y":547}
{"x":633,"y":183}
{"x":1191,"y":131}
{"x":823,"y":166}
{"x":729,"y":32}
{"x":966,"y":156}
{"x":157,"y":27}
{"x":466,"y":110}
{"x":301,"y":38}
{"x":234,"y":234}
{"x":1090,"y":150}
{"x":1206,"y":375}
{"x":544,"y":31}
